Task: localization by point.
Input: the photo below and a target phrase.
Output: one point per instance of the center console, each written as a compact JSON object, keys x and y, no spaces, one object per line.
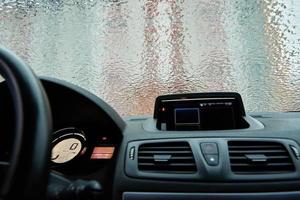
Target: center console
{"x":205,"y":146}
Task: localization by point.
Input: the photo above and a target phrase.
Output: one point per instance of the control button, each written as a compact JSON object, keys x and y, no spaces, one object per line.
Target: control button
{"x":209,"y":148}
{"x":212,"y":160}
{"x":131,"y":153}
{"x":295,"y":151}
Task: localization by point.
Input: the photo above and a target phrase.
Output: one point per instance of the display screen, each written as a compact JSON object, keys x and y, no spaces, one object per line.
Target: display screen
{"x":103,"y":153}
{"x":199,"y":114}
{"x":185,"y":116}
{"x":218,"y":118}
{"x":200,"y":111}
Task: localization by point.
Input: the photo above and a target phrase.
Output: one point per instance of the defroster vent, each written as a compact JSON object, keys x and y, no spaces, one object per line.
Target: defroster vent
{"x":166,"y":157}
{"x":259,"y":157}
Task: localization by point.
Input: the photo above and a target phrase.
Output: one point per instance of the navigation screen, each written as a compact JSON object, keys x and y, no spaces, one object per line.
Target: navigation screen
{"x":187,"y":116}
{"x":200,"y":111}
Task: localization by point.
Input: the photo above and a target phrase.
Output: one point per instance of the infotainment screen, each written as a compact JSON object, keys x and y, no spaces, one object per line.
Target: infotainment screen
{"x":184,"y":116}
{"x":202,"y":111}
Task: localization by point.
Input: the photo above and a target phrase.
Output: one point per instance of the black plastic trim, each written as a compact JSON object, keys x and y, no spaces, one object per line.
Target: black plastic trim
{"x":211,"y":196}
{"x":113,"y":115}
{"x":150,"y":126}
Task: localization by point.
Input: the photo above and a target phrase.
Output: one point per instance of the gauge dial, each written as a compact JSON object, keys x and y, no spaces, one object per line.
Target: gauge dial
{"x":66,"y":150}
{"x":68,"y":143}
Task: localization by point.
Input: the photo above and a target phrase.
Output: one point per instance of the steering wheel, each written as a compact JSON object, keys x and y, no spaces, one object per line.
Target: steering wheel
{"x":26,"y":172}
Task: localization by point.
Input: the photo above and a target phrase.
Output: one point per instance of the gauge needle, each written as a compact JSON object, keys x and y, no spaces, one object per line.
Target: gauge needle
{"x":55,"y":157}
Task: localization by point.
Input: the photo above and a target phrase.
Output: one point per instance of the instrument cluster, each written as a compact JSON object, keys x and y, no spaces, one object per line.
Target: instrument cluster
{"x":80,"y":150}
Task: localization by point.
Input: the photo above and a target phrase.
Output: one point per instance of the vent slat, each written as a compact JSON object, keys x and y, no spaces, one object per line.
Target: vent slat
{"x":173,"y":157}
{"x":269,"y":157}
{"x":258,"y":151}
{"x":163,"y":152}
{"x":256,"y":147}
{"x":257,"y":157}
{"x":169,"y":165}
{"x":165,"y":147}
{"x":167,"y":157}
{"x":261,"y":165}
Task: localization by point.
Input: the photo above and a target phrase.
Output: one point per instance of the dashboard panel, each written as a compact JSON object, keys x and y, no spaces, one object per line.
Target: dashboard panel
{"x":135,"y":158}
{"x":130,"y":174}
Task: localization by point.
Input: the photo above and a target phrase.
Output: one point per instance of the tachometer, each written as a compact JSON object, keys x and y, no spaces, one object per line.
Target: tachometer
{"x":68,"y":143}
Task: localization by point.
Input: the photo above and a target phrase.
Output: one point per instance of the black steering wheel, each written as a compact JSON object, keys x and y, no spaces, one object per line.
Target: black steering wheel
{"x":25,"y":175}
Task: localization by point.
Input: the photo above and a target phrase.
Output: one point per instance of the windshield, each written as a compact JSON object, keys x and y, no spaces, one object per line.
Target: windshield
{"x":129,"y":52}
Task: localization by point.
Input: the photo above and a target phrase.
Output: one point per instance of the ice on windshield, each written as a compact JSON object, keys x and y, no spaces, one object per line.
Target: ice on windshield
{"x":128,"y":52}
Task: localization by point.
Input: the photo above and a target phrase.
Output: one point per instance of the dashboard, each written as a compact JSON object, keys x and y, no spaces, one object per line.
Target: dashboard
{"x":195,"y":146}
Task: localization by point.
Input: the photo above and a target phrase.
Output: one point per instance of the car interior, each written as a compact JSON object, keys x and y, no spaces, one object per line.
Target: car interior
{"x":61,"y":142}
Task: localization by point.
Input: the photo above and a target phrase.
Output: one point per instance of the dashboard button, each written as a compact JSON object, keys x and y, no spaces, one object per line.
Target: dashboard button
{"x":209,"y":148}
{"x":212,"y":160}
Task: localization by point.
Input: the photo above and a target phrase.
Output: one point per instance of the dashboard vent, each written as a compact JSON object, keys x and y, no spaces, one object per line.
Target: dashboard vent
{"x":168,"y":157}
{"x":259,"y":157}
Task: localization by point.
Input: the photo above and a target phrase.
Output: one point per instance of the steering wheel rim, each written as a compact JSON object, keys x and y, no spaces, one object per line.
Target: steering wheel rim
{"x":27,"y":173}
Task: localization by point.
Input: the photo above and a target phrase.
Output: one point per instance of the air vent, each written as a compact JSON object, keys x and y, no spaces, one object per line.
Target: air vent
{"x":259,"y":157}
{"x":168,"y":157}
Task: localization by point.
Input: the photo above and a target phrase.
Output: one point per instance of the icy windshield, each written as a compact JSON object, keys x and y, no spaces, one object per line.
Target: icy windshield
{"x":129,"y":52}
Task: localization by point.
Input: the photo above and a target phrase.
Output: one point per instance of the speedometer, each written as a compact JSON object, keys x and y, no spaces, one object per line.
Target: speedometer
{"x":67,"y":144}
